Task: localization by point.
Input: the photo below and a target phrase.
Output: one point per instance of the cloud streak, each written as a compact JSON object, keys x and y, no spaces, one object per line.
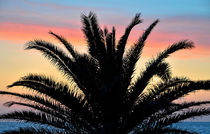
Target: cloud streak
{"x":159,"y":38}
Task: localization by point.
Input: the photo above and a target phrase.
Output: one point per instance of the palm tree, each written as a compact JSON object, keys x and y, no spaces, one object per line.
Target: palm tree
{"x":103,"y":97}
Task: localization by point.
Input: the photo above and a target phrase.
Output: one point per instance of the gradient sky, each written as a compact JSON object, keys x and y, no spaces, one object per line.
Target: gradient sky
{"x":24,"y":20}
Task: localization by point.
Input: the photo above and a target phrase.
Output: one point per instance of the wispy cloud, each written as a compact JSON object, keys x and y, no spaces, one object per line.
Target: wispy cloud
{"x":20,"y":33}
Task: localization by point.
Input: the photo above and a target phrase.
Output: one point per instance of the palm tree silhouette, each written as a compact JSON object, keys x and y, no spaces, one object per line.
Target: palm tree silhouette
{"x":106,"y":99}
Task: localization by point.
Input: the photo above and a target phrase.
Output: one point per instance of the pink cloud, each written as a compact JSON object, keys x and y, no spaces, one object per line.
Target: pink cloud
{"x":157,"y":41}
{"x":24,"y":32}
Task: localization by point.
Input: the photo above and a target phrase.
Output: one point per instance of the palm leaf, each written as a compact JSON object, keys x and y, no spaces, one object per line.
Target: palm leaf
{"x":41,"y":100}
{"x":179,"y":116}
{"x":183,"y":89}
{"x":41,"y":108}
{"x":177,"y":107}
{"x":30,"y":116}
{"x":57,"y":57}
{"x":180,"y":88}
{"x":71,"y":117}
{"x":113,"y":40}
{"x":164,"y":131}
{"x":68,"y":46}
{"x":88,"y":73}
{"x":94,"y":36}
{"x":175,"y":131}
{"x":89,"y":35}
{"x":172,"y":131}
{"x":109,"y":46}
{"x":170,"y":110}
{"x":58,"y":91}
{"x":152,"y":93}
{"x":134,"y":53}
{"x":149,"y":72}
{"x":98,"y":34}
{"x":31,"y":130}
{"x":123,"y":40}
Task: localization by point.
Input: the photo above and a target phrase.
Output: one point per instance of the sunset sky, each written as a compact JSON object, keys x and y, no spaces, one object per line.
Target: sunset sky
{"x":25,"y":20}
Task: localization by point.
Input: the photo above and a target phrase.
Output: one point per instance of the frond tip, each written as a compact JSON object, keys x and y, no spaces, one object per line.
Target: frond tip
{"x":123,"y":40}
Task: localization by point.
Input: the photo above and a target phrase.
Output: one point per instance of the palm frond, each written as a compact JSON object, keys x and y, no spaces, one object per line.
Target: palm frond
{"x":171,"y":108}
{"x":123,"y":40}
{"x":152,"y":93}
{"x":60,"y":92}
{"x":30,"y":116}
{"x":113,"y":40}
{"x":90,"y":77}
{"x":69,"y":116}
{"x":164,"y":131}
{"x":105,"y":31}
{"x":109,"y":38}
{"x":57,"y":57}
{"x":179,"y":116}
{"x":31,"y":130}
{"x":143,"y":101}
{"x":98,"y":34}
{"x":134,"y":53}
{"x":54,"y":54}
{"x":163,"y":71}
{"x":42,"y":101}
{"x":175,"y":131}
{"x":88,"y":73}
{"x":87,"y":30}
{"x":57,"y":91}
{"x":184,"y":44}
{"x":161,"y":98}
{"x":94,"y":36}
{"x":182,"y":89}
{"x":41,"y":108}
{"x":68,"y":45}
{"x":47,"y":86}
{"x":58,"y":108}
{"x":150,"y":70}
{"x":172,"y":131}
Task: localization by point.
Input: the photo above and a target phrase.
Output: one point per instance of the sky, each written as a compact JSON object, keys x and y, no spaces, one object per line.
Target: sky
{"x":25,"y":20}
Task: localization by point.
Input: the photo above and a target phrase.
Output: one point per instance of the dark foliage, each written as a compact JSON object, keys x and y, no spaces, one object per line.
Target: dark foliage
{"x":102,"y":96}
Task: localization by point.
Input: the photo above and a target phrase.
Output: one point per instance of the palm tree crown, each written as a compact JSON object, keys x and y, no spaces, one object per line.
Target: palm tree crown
{"x":107,"y":100}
